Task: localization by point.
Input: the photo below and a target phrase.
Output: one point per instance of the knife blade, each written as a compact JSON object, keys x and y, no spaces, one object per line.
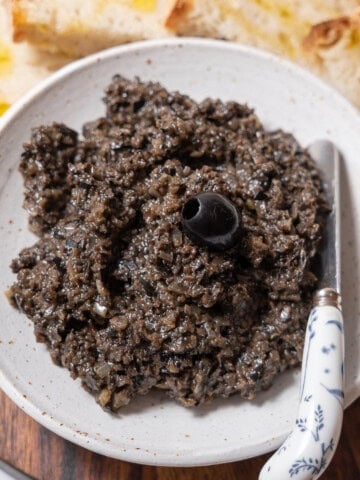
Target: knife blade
{"x":8,"y":472}
{"x":327,"y":159}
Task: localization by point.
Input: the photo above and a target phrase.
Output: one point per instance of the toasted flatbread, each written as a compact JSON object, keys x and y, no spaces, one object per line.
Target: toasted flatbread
{"x":21,"y":65}
{"x":80,"y":27}
{"x":323,"y":35}
{"x":332,"y":50}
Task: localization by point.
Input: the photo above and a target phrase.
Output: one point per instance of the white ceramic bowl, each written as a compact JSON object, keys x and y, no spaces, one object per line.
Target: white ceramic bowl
{"x":153,"y":429}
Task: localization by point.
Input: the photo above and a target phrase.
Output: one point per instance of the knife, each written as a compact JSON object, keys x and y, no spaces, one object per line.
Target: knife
{"x":309,"y":448}
{"x":8,"y":472}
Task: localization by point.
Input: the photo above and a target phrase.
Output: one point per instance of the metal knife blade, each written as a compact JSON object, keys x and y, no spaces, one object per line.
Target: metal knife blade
{"x":327,"y":158}
{"x":8,"y":472}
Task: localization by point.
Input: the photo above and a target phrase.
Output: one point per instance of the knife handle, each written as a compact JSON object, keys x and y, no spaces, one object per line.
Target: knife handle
{"x":309,"y":448}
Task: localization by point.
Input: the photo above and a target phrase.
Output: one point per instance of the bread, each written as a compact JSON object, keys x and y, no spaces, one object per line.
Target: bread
{"x":323,"y":35}
{"x":332,"y":50}
{"x":79,"y":27}
{"x":21,"y":65}
{"x":277,"y":25}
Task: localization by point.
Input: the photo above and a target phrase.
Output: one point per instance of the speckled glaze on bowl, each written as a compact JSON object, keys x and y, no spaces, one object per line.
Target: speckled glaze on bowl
{"x":153,"y":429}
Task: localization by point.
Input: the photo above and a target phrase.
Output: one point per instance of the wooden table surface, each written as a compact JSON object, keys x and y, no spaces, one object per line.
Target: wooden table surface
{"x":43,"y":455}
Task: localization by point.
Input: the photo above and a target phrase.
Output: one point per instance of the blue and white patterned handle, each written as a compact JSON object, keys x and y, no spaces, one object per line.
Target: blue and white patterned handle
{"x":307,"y":451}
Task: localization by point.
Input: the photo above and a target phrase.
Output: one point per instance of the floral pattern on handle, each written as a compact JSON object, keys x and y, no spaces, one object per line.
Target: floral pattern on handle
{"x":318,"y":423}
{"x":315,"y":465}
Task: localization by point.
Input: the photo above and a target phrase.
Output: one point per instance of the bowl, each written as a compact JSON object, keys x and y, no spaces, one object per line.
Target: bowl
{"x":153,"y":429}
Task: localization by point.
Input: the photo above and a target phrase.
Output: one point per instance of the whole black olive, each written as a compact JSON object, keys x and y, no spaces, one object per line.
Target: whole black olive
{"x":211,"y":219}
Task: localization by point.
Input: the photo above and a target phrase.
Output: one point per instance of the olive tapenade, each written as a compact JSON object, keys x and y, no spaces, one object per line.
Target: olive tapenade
{"x":126,"y":288}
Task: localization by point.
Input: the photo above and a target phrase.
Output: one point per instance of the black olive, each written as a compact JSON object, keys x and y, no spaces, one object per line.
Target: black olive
{"x":211,"y":219}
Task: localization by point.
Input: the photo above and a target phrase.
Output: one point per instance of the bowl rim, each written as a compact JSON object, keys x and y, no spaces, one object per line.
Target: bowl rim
{"x":55,"y":78}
